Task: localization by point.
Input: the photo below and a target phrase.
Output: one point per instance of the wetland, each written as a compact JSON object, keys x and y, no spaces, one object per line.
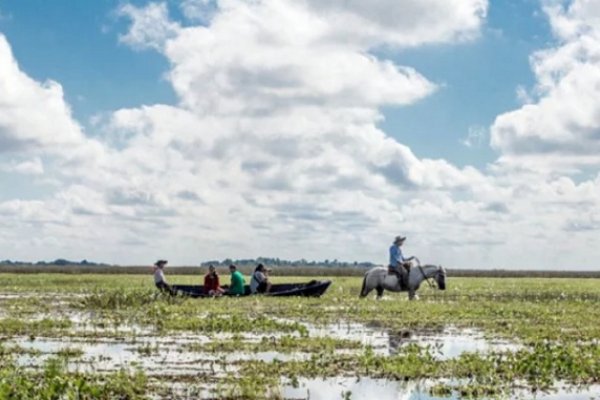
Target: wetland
{"x":114,"y":336}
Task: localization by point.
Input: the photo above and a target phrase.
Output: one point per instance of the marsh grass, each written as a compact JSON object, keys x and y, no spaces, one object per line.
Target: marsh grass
{"x":212,"y":323}
{"x":15,"y":326}
{"x":54,"y":381}
{"x":283,"y":344}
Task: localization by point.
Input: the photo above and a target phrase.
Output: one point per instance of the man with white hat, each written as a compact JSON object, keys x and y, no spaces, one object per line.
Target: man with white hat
{"x":398,"y":264}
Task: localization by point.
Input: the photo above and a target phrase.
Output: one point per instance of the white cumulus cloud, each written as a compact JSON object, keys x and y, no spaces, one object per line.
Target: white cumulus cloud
{"x":561,"y":127}
{"x":150,"y":25}
{"x":33,"y":115}
{"x":274,"y":147}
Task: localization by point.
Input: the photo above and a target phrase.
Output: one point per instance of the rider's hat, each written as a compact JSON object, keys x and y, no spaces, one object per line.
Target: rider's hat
{"x":399,"y":239}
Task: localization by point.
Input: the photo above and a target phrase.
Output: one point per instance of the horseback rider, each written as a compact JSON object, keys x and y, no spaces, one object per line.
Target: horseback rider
{"x":398,"y":264}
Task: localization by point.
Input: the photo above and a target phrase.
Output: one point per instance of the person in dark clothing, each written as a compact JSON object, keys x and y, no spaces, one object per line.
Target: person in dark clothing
{"x":260,"y":280}
{"x":212,"y":286}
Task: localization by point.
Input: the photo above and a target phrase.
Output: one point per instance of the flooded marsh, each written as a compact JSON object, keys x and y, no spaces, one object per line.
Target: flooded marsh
{"x":114,"y":336}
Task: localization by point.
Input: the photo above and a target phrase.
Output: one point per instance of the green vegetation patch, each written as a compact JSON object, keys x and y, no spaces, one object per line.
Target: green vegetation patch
{"x":484,"y":374}
{"x":55,"y":382}
{"x":235,"y":323}
{"x":283,"y":344}
{"x":14,"y":326}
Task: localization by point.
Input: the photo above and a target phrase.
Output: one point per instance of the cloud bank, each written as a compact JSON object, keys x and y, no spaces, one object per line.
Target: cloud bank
{"x":274,"y":146}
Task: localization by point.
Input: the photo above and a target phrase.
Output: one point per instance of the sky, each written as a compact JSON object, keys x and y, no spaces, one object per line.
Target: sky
{"x":209,"y":129}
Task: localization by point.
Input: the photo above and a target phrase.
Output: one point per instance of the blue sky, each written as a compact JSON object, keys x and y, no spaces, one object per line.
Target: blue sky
{"x":478,"y":82}
{"x":100,"y":75}
{"x":199,"y":119}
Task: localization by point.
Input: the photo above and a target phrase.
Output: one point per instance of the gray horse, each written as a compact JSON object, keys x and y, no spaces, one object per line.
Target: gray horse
{"x":379,"y":279}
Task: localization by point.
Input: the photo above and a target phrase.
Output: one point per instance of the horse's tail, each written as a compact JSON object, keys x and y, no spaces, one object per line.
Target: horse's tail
{"x":363,"y":291}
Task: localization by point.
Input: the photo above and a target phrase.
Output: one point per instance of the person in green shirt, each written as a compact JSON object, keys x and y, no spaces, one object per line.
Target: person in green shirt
{"x":237,"y":282}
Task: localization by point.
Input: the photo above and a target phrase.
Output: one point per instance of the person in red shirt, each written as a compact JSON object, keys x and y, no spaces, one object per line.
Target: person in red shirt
{"x":211,"y":283}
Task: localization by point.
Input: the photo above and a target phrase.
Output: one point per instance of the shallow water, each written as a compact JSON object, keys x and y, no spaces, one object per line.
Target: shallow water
{"x":138,"y":345}
{"x":444,"y":344}
{"x":378,"y":339}
{"x":162,"y":355}
{"x":381,"y":389}
{"x":364,"y":388}
{"x":452,"y":342}
{"x":155,"y":355}
{"x":448,"y":343}
{"x":565,"y":393}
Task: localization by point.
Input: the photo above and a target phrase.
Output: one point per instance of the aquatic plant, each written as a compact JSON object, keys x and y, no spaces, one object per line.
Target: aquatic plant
{"x":55,"y":382}
{"x":283,"y":344}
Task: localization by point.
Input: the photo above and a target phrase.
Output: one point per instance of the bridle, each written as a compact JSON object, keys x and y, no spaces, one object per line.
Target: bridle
{"x":429,"y":280}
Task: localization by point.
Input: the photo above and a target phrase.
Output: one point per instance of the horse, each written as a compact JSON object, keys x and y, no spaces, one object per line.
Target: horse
{"x":379,"y":278}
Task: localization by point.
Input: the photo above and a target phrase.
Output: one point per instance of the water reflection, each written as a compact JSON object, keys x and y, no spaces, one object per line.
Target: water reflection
{"x":452,"y":342}
{"x":363,"y":388}
{"x":381,"y":389}
{"x":445,"y":343}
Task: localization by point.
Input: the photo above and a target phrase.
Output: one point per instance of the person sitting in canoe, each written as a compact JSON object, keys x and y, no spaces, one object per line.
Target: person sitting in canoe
{"x":260,"y":280}
{"x":212,"y":286}
{"x":238,"y":283}
{"x":159,"y":277}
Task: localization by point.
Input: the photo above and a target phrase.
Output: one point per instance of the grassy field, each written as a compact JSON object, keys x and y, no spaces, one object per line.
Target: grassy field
{"x":113,"y":336}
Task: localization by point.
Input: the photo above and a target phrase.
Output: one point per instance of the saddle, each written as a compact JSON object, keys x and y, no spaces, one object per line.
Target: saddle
{"x":402,"y":279}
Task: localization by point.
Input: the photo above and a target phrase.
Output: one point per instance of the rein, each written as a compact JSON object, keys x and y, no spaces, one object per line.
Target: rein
{"x":429,"y":280}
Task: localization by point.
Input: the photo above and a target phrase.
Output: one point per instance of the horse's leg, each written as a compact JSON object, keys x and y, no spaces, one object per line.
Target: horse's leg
{"x":412,"y":294}
{"x":379,"y":291}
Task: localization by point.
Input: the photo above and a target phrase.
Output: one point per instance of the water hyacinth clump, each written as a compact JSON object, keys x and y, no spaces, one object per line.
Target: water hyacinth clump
{"x":54,"y":381}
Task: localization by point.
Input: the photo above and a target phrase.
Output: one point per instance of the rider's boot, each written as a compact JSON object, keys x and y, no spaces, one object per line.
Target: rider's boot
{"x":401,"y":278}
{"x":399,"y":275}
{"x":405,"y":276}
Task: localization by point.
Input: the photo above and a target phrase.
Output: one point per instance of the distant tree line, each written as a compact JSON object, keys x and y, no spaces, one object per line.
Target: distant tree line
{"x":281,"y":268}
{"x":58,"y":261}
{"x":247,"y":262}
{"x":278,"y":262}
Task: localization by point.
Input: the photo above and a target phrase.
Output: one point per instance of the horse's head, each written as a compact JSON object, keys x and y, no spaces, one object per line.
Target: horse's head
{"x":440,"y":278}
